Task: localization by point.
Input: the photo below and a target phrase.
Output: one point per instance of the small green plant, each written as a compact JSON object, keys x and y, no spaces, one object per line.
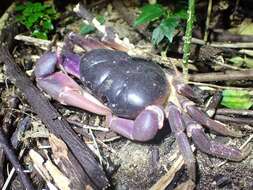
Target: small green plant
{"x":165,"y":21}
{"x":37,"y":17}
{"x":236,"y":99}
{"x":88,"y":28}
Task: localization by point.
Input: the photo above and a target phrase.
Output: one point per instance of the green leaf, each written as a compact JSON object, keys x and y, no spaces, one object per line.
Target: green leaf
{"x":168,"y":26}
{"x":48,"y":25}
{"x":38,"y":7}
{"x":38,"y":18}
{"x":149,"y":13}
{"x":87,"y":29}
{"x":181,"y":14}
{"x":157,"y":35}
{"x":39,"y":34}
{"x":101,"y":19}
{"x":51,"y":12}
{"x":237,"y":61}
{"x":19,"y":7}
{"x":248,"y":61}
{"x":19,"y":18}
{"x":237,"y":99}
{"x":242,"y":61}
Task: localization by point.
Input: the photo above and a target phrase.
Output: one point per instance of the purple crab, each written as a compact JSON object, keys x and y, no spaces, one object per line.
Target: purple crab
{"x":135,"y":95}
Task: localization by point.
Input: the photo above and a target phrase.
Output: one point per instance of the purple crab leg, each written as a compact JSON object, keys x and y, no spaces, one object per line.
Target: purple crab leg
{"x":177,"y":126}
{"x":186,"y":90}
{"x":70,"y":63}
{"x":86,"y":43}
{"x":63,"y":88}
{"x":143,"y":128}
{"x":204,"y":120}
{"x":199,"y":138}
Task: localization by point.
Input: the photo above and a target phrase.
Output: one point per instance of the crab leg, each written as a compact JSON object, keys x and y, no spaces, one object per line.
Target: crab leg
{"x":204,"y":120}
{"x":63,"y":88}
{"x":177,"y":126}
{"x":143,"y":128}
{"x":195,"y":131}
{"x":86,"y":43}
{"x":186,"y":90}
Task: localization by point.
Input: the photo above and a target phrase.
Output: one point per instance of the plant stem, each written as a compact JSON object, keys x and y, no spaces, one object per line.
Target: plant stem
{"x":187,"y":38}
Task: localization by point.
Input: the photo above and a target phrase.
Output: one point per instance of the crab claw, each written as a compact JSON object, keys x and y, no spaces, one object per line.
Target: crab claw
{"x":62,"y":87}
{"x":45,"y":65}
{"x":143,"y":128}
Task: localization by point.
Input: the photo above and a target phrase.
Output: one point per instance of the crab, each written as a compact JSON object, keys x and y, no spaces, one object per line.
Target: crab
{"x":135,"y":95}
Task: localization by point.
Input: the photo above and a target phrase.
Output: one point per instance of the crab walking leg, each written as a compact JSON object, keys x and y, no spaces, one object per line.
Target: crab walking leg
{"x":204,"y":120}
{"x":86,"y":43}
{"x":89,"y":43}
{"x":143,"y":128}
{"x":186,"y":90}
{"x":196,"y":132}
{"x":178,"y":128}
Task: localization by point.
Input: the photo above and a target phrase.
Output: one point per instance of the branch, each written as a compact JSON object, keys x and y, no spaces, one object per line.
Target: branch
{"x":222,"y":76}
{"x":8,"y":150}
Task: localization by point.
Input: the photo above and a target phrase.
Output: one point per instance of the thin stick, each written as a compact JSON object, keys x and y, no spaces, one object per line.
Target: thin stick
{"x":168,"y":177}
{"x":212,"y":87}
{"x":209,"y":10}
{"x":235,"y":45}
{"x":225,"y":111}
{"x":187,"y":38}
{"x":96,"y":128}
{"x":96,"y":146}
{"x":222,"y":76}
{"x":12,"y":172}
{"x":224,"y":118}
{"x":43,"y":44}
{"x":15,"y":162}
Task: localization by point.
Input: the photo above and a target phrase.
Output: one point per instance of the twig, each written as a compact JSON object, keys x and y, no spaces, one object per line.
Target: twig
{"x":224,"y":118}
{"x":168,"y":177}
{"x":5,"y":186}
{"x":212,"y":87}
{"x":96,"y":146}
{"x":4,"y":18}
{"x":237,"y":45}
{"x":209,"y":10}
{"x":187,"y":38}
{"x":221,"y":61}
{"x":15,"y":162}
{"x":222,"y":76}
{"x":43,"y":44}
{"x":225,"y":111}
{"x":225,"y":36}
{"x":96,"y":128}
